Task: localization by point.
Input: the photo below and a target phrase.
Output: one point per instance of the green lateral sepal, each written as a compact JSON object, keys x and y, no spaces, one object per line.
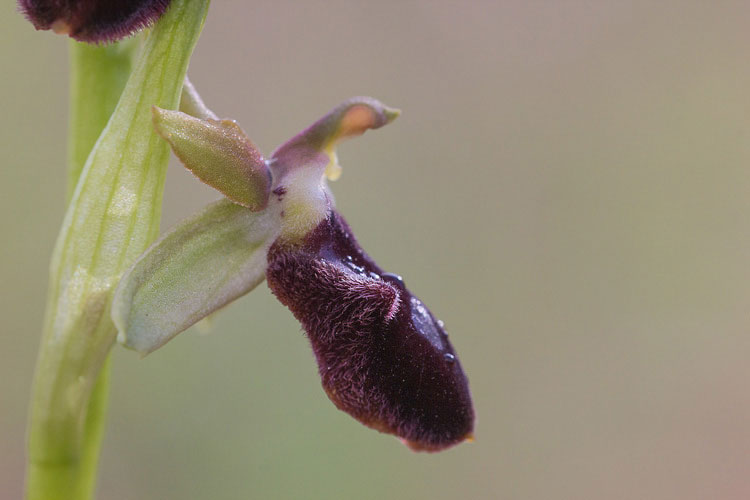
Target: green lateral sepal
{"x":195,"y":269}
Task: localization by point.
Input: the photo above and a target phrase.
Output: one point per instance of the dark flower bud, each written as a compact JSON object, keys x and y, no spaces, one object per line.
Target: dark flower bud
{"x":91,"y":20}
{"x":382,"y":356}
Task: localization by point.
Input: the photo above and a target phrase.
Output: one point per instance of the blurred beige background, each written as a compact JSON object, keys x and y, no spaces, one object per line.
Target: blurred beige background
{"x":568,"y":188}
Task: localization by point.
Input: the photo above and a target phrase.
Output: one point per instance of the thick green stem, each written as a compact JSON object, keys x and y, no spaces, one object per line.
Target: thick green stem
{"x":75,"y":479}
{"x":97,"y":76}
{"x":112,"y":217}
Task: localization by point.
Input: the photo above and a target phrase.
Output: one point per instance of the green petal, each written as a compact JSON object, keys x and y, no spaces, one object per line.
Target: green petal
{"x":219,"y":153}
{"x":198,"y":267}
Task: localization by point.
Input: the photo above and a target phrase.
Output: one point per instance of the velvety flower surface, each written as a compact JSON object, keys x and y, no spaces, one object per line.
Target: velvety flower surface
{"x":93,"y":20}
{"x":382,"y":356}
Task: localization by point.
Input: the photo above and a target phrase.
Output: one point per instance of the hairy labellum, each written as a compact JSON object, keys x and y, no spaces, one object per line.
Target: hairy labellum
{"x":382,"y":356}
{"x":93,"y":20}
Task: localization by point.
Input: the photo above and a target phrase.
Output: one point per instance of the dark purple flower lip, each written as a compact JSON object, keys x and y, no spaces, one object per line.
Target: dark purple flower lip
{"x":382,"y":356}
{"x":92,"y":20}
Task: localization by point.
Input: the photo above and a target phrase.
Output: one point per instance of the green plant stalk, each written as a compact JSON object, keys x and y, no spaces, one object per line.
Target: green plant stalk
{"x":113,"y":215}
{"x":98,"y":74}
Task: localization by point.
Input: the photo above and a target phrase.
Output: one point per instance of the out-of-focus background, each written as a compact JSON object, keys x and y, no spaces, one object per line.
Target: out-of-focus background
{"x":568,"y":188}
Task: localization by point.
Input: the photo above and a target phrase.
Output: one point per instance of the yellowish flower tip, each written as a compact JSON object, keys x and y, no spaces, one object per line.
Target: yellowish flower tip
{"x":355,"y":121}
{"x":391,"y":114}
{"x":360,"y":117}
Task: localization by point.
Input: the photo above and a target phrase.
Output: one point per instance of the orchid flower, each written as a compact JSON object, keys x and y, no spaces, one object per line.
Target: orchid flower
{"x":382,"y":356}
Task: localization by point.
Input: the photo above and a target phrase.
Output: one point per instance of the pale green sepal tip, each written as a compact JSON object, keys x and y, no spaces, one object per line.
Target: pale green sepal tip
{"x":195,"y":269}
{"x":391,"y":114}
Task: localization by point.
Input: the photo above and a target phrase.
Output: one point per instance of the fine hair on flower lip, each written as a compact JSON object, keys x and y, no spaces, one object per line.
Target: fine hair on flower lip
{"x":382,"y":357}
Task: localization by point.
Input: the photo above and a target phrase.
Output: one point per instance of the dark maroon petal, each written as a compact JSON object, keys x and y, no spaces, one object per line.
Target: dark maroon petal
{"x":382,"y":356}
{"x":91,"y":20}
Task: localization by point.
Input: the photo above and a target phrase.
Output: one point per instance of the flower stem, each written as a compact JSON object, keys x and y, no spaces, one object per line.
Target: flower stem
{"x":112,"y":217}
{"x":97,"y":76}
